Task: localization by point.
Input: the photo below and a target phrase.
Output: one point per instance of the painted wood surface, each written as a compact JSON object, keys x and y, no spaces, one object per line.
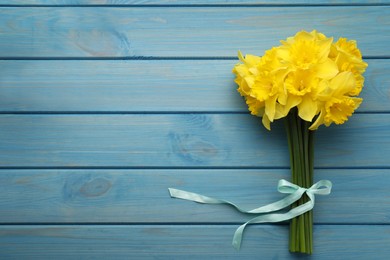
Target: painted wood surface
{"x":189,"y":2}
{"x":105,"y":104}
{"x":176,"y":32}
{"x":141,"y":196}
{"x":188,"y":241}
{"x":144,"y":86}
{"x":181,"y":140}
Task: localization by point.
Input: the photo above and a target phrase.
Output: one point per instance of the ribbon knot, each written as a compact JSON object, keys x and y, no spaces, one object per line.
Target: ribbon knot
{"x":295,"y":192}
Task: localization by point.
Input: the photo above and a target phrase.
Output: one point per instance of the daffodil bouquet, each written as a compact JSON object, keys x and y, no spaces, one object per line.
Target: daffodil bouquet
{"x":308,"y":80}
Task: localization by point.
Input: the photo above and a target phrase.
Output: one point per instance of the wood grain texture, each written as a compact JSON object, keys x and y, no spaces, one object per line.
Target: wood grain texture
{"x":193,"y":242}
{"x":141,"y":196}
{"x":177,"y":32}
{"x":139,"y":86}
{"x":191,"y":2}
{"x":104,"y":104}
{"x":181,"y":140}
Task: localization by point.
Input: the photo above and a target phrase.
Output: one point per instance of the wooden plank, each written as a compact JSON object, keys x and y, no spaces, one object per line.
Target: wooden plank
{"x":139,"y":86}
{"x":181,"y":140}
{"x":178,"y":32}
{"x":177,"y":242}
{"x":163,"y":85}
{"x":185,"y":2}
{"x":141,"y":196}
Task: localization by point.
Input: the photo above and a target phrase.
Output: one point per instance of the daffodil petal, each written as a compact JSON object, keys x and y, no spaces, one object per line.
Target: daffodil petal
{"x":325,"y":48}
{"x":270,"y":108}
{"x":266,"y":122}
{"x":326,"y":70}
{"x":343,"y":83}
{"x":307,"y":109}
{"x":319,"y":121}
{"x":240,"y":56}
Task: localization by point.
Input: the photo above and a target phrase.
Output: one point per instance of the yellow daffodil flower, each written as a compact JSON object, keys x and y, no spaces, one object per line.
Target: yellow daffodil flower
{"x":308,"y":71}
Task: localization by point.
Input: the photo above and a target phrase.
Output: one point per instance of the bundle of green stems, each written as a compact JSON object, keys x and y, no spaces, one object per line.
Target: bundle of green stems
{"x":301,"y":148}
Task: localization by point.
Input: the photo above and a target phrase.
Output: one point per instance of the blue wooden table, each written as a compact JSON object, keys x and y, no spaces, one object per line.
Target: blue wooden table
{"x":105,"y":104}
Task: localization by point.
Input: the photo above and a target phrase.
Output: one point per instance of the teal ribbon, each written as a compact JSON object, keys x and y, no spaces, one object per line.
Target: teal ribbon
{"x":295,"y":192}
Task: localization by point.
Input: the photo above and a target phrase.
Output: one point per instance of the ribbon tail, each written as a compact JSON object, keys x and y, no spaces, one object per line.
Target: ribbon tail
{"x":278,"y":205}
{"x":191,"y":196}
{"x":185,"y":195}
{"x":272,"y":218}
{"x":237,"y":238}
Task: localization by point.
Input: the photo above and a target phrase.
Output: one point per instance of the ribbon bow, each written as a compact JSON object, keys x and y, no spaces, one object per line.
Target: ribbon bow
{"x":322,"y":187}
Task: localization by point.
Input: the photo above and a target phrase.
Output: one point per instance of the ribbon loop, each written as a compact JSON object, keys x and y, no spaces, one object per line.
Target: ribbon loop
{"x":295,"y":192}
{"x":287,"y":187}
{"x":323,"y":187}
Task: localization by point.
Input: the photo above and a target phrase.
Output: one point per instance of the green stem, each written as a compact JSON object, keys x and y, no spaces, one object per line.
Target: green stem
{"x":301,"y":146}
{"x":293,"y":225}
